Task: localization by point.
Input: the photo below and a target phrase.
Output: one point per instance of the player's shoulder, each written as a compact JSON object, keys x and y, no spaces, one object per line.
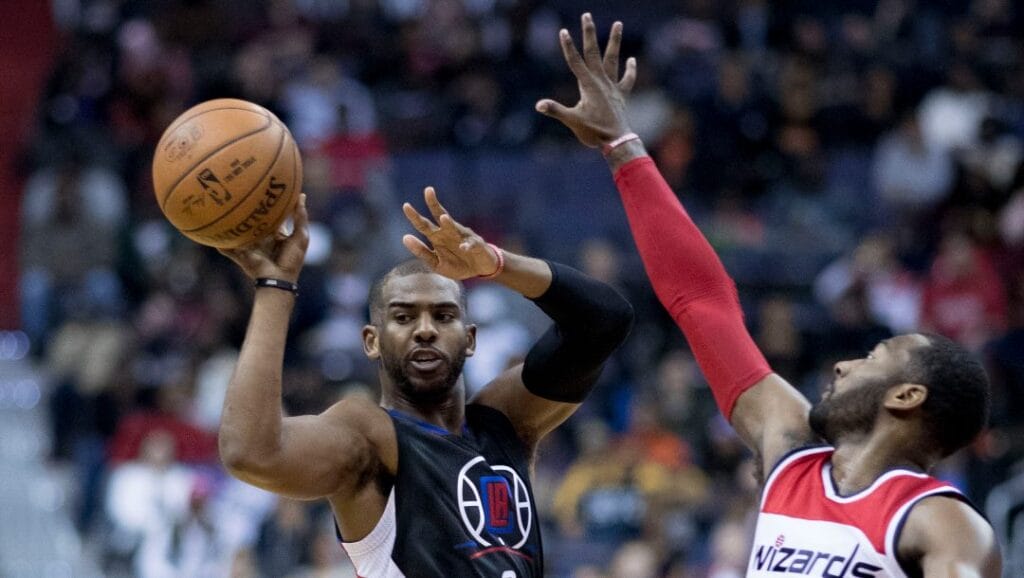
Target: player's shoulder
{"x":946,"y":526}
{"x":355,"y":408}
{"x":361,"y":415}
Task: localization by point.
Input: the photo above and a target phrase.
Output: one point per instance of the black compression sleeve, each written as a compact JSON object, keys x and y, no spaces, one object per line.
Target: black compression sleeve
{"x":591,"y":320}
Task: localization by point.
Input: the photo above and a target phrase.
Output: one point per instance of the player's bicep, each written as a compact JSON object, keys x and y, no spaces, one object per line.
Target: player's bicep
{"x":771,"y":417}
{"x":333,"y":453}
{"x":532,"y":416}
{"x":947,"y":538}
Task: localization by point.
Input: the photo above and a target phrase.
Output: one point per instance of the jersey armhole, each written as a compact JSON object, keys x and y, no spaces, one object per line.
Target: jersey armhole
{"x":510,"y":438}
{"x":892,"y":538}
{"x":783,"y":462}
{"x":382,"y":532}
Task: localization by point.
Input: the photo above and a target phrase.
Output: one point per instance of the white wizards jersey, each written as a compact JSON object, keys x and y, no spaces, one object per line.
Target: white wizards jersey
{"x":805,"y":528}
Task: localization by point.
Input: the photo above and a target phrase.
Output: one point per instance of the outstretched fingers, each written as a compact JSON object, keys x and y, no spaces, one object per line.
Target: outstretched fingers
{"x":611,"y":52}
{"x":300,"y":223}
{"x":629,"y":77}
{"x":434,"y":205}
{"x":553,"y":109}
{"x":418,"y":221}
{"x":591,"y":50}
{"x":420,"y":250}
{"x":572,"y":56}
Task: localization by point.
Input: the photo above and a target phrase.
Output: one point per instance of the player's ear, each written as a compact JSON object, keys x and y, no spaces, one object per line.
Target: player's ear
{"x":470,"y":340}
{"x":371,"y":343}
{"x":906,"y":396}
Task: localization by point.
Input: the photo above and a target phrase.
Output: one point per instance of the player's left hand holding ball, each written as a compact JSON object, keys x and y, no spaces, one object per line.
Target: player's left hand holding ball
{"x":278,"y":256}
{"x":455,"y":251}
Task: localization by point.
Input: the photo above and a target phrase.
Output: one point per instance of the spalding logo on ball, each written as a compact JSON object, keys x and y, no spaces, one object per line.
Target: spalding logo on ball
{"x":226,"y":173}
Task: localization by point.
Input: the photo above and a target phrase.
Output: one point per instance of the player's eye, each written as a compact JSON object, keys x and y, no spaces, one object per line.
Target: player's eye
{"x":445,"y":317}
{"x":402,"y":317}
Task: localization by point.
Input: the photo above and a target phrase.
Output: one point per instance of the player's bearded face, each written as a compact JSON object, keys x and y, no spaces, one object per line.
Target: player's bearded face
{"x":419,"y":386}
{"x":852,"y":410}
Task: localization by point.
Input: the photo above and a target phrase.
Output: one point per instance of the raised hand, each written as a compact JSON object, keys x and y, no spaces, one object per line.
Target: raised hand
{"x":279,"y":256}
{"x":455,"y":251}
{"x":600,"y":115}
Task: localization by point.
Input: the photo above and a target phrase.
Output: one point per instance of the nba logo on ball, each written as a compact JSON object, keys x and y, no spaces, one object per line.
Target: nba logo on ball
{"x":213,"y":187}
{"x":227,"y":173}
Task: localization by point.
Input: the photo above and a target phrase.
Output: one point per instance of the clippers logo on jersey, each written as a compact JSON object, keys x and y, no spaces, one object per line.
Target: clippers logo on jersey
{"x":778,"y":558}
{"x":495,"y":491}
{"x":495,"y":505}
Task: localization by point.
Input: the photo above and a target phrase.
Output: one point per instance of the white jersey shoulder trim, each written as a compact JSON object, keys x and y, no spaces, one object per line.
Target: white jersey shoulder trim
{"x":892,"y":531}
{"x":785,"y":462}
{"x":830,"y":489}
{"x":372,"y":555}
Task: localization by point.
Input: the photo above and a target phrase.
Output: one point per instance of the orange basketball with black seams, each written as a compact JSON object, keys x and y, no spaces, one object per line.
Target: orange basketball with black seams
{"x":226,"y":173}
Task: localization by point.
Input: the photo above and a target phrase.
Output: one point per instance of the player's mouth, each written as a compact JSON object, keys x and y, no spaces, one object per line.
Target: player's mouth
{"x":426,"y":359}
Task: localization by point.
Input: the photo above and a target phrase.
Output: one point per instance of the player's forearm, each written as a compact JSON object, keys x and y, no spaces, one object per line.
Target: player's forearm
{"x":678,"y":259}
{"x":591,"y":320}
{"x":250,"y":429}
{"x":688,"y":277}
{"x":526,"y":275}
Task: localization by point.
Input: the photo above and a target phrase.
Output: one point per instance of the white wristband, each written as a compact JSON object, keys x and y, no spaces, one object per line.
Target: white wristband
{"x":607,"y":148}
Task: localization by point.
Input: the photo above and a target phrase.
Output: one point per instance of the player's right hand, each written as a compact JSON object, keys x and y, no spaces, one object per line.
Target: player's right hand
{"x":278,"y":256}
{"x":600,"y":115}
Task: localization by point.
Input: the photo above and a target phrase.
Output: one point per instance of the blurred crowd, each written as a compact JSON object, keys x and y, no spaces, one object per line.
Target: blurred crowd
{"x":858,"y":164}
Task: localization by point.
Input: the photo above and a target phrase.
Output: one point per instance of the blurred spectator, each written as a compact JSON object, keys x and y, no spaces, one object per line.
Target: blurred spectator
{"x":734,"y":127}
{"x":780,"y":337}
{"x":170,"y":415}
{"x":1011,"y":222}
{"x":893,"y":294}
{"x":327,"y":559}
{"x":996,"y":158}
{"x":963,"y":296}
{"x":67,"y":208}
{"x":635,"y":560}
{"x":853,"y":331}
{"x":951,"y":115}
{"x":325,"y":102}
{"x":610,"y":490}
{"x":1006,"y":366}
{"x":730,"y":549}
{"x":684,"y":404}
{"x":284,"y":538}
{"x":910,"y":174}
{"x":147,"y":496}
{"x":502,"y":340}
{"x":189,"y":546}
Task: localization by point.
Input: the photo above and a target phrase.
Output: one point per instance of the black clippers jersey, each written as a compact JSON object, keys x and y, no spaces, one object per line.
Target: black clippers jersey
{"x":460,"y":505}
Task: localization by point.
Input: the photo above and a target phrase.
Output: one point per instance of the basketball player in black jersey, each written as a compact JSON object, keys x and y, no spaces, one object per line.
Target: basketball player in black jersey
{"x":425,"y":484}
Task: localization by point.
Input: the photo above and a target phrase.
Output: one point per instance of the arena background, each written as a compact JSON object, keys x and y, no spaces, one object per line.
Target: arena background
{"x":857,"y":164}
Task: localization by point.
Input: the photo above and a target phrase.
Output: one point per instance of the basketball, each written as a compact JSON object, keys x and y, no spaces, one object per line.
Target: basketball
{"x":226,"y":173}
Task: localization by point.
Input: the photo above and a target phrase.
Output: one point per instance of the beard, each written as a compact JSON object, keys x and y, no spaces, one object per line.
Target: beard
{"x":851,"y":412}
{"x":431,"y":392}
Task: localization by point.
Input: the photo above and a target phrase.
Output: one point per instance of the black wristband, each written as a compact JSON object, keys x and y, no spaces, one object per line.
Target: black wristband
{"x":277,"y":284}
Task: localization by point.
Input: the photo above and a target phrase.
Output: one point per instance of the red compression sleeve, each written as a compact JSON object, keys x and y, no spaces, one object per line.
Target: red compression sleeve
{"x":691,"y":283}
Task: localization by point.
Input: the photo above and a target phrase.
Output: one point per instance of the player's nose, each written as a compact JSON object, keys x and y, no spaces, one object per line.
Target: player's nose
{"x":841,"y":368}
{"x":425,"y":330}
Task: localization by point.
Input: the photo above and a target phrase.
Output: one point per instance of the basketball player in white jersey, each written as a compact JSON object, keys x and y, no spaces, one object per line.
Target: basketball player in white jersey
{"x":847,"y":492}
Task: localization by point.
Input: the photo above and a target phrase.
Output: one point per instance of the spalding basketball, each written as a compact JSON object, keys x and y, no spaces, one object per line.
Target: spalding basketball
{"x":226,"y":173}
